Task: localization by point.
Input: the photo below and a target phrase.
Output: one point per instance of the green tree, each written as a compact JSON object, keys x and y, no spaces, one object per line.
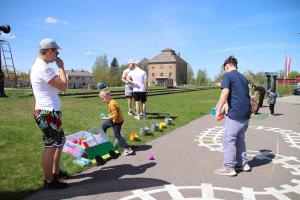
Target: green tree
{"x":260,"y":78}
{"x":100,"y":70}
{"x":293,"y":74}
{"x":114,"y":63}
{"x":144,"y":64}
{"x":219,"y":76}
{"x":250,"y":76}
{"x":190,"y":75}
{"x":202,"y":78}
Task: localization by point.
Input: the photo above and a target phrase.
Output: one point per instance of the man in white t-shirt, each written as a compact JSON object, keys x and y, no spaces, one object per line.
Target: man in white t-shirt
{"x":128,"y":86}
{"x":138,"y":79}
{"x":47,"y":113}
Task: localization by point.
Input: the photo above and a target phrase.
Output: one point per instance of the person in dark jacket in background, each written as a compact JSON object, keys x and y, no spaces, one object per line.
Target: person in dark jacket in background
{"x":261,"y":91}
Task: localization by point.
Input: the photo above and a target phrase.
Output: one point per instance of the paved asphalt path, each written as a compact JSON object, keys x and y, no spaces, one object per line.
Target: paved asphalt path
{"x":185,"y":160}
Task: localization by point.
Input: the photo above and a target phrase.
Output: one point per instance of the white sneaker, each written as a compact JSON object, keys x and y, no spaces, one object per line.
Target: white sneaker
{"x":245,"y":168}
{"x":142,"y":116}
{"x":127,"y":151}
{"x":129,"y":112}
{"x":137,"y":117}
{"x":226,"y":172}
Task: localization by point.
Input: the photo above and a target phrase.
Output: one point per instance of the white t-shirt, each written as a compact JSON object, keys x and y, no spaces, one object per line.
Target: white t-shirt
{"x":125,"y":74}
{"x":46,"y":96}
{"x":138,"y":77}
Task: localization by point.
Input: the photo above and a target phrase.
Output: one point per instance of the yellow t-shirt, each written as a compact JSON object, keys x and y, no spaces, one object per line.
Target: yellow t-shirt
{"x":115,"y":111}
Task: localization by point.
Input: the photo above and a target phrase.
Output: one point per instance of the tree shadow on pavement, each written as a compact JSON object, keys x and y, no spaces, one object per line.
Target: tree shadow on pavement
{"x":265,"y":157}
{"x":105,"y":180}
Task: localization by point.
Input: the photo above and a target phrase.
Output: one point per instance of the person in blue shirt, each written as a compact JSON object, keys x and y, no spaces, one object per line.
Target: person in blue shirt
{"x":235,"y":91}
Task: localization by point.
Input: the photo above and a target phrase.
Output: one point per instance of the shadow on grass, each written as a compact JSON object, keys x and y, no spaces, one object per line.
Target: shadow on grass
{"x":105,"y":180}
{"x":155,"y":115}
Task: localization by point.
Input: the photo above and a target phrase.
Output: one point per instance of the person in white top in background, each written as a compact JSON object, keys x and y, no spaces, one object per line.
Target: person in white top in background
{"x":47,"y":114}
{"x":138,"y":79}
{"x":128,"y":86}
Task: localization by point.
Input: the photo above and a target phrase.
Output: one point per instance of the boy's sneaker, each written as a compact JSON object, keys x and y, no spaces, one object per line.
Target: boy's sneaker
{"x":61,"y":175}
{"x":55,"y":184}
{"x":137,"y":117}
{"x":245,"y":168}
{"x":127,"y":151}
{"x":130,"y":112}
{"x":143,"y":116}
{"x":225,"y":172}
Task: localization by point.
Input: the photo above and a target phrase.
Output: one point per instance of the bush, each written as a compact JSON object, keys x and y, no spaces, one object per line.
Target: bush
{"x":285,"y":89}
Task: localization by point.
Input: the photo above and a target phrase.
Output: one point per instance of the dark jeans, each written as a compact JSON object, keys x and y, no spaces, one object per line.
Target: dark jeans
{"x":272,"y":108}
{"x":117,"y":131}
{"x":261,"y":99}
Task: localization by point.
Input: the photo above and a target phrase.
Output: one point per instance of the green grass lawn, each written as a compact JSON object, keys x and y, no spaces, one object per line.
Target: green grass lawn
{"x":21,"y":141}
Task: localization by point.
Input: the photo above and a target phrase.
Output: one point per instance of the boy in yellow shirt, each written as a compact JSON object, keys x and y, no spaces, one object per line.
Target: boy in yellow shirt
{"x":115,"y":120}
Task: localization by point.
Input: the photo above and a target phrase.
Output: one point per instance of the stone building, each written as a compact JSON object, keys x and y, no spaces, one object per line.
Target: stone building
{"x":167,"y":69}
{"x":80,"y":79}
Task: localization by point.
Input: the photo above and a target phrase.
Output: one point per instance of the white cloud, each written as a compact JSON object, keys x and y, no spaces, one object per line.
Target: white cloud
{"x":65,"y":22}
{"x":9,"y":36}
{"x":87,"y":53}
{"x":52,"y":20}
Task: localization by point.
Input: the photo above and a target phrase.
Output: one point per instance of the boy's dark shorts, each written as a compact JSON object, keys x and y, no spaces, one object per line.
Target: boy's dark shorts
{"x":50,"y":122}
{"x":140,"y":96}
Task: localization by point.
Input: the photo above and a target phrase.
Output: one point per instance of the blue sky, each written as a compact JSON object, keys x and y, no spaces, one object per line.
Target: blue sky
{"x":205,"y":32}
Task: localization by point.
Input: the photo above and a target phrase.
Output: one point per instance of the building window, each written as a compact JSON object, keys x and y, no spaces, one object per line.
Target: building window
{"x":77,"y":78}
{"x":153,"y":67}
{"x":161,"y":74}
{"x":153,"y":74}
{"x":83,"y":78}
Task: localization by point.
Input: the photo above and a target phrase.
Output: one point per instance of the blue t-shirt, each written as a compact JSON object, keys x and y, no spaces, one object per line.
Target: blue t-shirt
{"x":238,"y":99}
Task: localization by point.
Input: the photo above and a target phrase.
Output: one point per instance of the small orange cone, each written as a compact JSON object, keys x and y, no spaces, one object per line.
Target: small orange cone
{"x":133,"y":136}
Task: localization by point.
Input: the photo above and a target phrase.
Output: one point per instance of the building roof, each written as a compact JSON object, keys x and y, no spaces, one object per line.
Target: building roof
{"x":78,"y":73}
{"x":166,"y":56}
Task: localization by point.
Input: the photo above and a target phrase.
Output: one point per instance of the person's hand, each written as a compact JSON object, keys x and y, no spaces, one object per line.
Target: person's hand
{"x":59,"y":62}
{"x":217,"y":115}
{"x":220,"y":117}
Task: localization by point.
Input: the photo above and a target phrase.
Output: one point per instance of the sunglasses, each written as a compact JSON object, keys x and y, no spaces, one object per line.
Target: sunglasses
{"x":57,"y":53}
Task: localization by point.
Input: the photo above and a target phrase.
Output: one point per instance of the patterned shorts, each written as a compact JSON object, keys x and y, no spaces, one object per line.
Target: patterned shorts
{"x":50,"y":123}
{"x":128,"y":91}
